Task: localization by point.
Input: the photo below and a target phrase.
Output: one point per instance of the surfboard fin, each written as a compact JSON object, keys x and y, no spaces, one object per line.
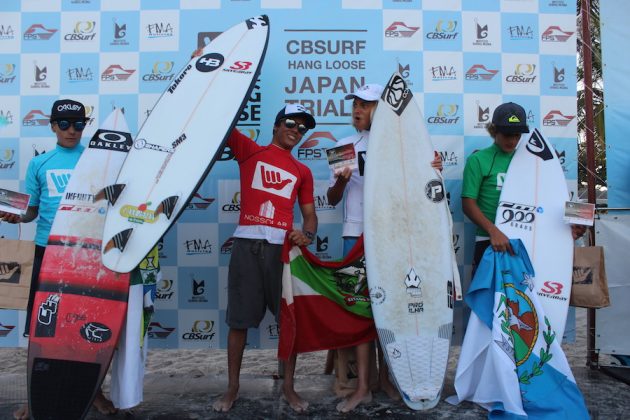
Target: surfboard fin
{"x":111,"y":193}
{"x":119,"y":240}
{"x":167,"y":206}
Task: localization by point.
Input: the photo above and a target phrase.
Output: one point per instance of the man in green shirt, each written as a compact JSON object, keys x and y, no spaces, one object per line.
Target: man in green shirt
{"x":484,"y":174}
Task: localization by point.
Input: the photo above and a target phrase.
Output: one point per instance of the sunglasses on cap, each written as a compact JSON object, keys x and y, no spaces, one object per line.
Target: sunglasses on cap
{"x":65,"y":124}
{"x":289,"y":123}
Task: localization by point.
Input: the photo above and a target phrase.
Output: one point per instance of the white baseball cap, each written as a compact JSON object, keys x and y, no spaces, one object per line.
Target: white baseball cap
{"x":368,"y":92}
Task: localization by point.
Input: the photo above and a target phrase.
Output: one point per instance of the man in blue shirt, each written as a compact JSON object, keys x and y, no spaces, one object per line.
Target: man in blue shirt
{"x":46,"y":179}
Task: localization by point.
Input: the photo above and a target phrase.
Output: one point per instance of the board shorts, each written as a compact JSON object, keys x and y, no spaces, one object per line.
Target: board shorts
{"x":254,"y":282}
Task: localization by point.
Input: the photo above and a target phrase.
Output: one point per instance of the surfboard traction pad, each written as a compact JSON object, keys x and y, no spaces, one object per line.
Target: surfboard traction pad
{"x":418,"y":365}
{"x":52,"y":380}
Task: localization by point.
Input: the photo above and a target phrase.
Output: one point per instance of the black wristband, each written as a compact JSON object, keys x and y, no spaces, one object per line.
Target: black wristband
{"x":309,"y":235}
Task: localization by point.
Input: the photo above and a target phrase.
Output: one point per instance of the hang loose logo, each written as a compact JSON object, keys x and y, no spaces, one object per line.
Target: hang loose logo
{"x":273,"y":179}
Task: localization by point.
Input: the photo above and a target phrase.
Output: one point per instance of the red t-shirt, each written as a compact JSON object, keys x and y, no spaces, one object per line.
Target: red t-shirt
{"x":271,"y":180}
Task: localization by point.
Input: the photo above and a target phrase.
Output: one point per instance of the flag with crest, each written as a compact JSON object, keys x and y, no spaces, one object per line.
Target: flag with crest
{"x":511,"y":362}
{"x":325,"y":304}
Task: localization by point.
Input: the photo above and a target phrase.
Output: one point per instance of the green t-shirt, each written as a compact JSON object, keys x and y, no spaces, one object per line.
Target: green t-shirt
{"x":483,"y":178}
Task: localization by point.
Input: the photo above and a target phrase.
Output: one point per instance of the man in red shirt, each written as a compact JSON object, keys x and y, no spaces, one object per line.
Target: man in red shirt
{"x":271,"y":182}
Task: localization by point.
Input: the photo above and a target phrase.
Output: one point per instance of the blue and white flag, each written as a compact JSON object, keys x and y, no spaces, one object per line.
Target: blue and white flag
{"x":511,"y":362}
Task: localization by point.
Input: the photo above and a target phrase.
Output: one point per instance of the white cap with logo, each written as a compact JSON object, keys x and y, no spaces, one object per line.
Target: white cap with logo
{"x":368,"y":92}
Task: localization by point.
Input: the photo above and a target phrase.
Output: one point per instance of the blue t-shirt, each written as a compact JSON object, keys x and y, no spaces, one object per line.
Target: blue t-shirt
{"x":46,"y":179}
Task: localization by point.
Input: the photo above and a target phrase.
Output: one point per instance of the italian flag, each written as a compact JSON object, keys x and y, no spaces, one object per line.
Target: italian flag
{"x":325,"y":304}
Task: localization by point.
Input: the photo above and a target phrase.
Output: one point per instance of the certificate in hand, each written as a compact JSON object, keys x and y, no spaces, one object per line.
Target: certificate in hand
{"x":341,"y":157}
{"x":13,"y":202}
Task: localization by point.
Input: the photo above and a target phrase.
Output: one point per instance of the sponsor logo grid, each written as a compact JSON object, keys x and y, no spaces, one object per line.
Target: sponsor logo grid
{"x":460,"y":64}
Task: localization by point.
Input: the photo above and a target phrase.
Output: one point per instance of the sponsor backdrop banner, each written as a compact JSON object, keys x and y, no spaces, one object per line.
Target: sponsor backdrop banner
{"x":615,"y":33}
{"x":460,"y":58}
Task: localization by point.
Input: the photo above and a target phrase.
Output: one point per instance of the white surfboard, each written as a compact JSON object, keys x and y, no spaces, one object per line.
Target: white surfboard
{"x":408,"y":248}
{"x":180,"y":141}
{"x":531,"y":208}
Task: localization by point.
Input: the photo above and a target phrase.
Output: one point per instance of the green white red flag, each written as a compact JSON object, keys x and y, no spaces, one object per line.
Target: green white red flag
{"x":325,"y":304}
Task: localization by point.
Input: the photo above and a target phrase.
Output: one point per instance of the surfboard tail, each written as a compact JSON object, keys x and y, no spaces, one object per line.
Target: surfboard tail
{"x":110,"y":193}
{"x":167,"y":206}
{"x":119,"y":241}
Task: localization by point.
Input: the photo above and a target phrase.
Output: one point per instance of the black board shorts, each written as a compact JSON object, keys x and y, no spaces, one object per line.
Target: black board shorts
{"x":254,"y":282}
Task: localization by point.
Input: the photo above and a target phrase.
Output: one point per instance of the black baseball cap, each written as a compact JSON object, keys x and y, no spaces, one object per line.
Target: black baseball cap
{"x":291,"y":110}
{"x":510,"y":118}
{"x":67,"y":109}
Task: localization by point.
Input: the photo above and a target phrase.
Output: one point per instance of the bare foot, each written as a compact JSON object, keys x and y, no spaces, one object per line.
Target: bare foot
{"x":226,"y":401}
{"x":353,"y":401}
{"x":103,"y":405}
{"x":389,"y":388}
{"x":21,"y":413}
{"x":296,"y":402}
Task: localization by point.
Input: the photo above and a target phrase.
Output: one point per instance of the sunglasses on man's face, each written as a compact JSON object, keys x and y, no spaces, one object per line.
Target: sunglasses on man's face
{"x":65,"y":124}
{"x":301,"y":128}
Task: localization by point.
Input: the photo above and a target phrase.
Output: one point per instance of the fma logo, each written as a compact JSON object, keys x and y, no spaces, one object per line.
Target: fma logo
{"x":481,"y":73}
{"x":159,"y":30}
{"x":555,"y":118}
{"x":400,"y":30}
{"x":80,"y":74}
{"x":162,"y":71}
{"x":555,"y":34}
{"x":115,"y":73}
{"x":442,"y":73}
{"x":446,"y":114}
{"x":6,"y":32}
{"x":308,"y":150}
{"x":321,"y":203}
{"x":7,"y":73}
{"x":198,"y":247}
{"x":83,"y":31}
{"x":444,"y":30}
{"x":35,"y":118}
{"x":523,"y":73}
{"x":6,"y":118}
{"x":273,"y":331}
{"x":520,"y":32}
{"x":448,"y":158}
{"x":37,"y":32}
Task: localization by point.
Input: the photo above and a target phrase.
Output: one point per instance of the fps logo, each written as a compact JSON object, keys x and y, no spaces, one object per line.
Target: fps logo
{"x":308,"y":150}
